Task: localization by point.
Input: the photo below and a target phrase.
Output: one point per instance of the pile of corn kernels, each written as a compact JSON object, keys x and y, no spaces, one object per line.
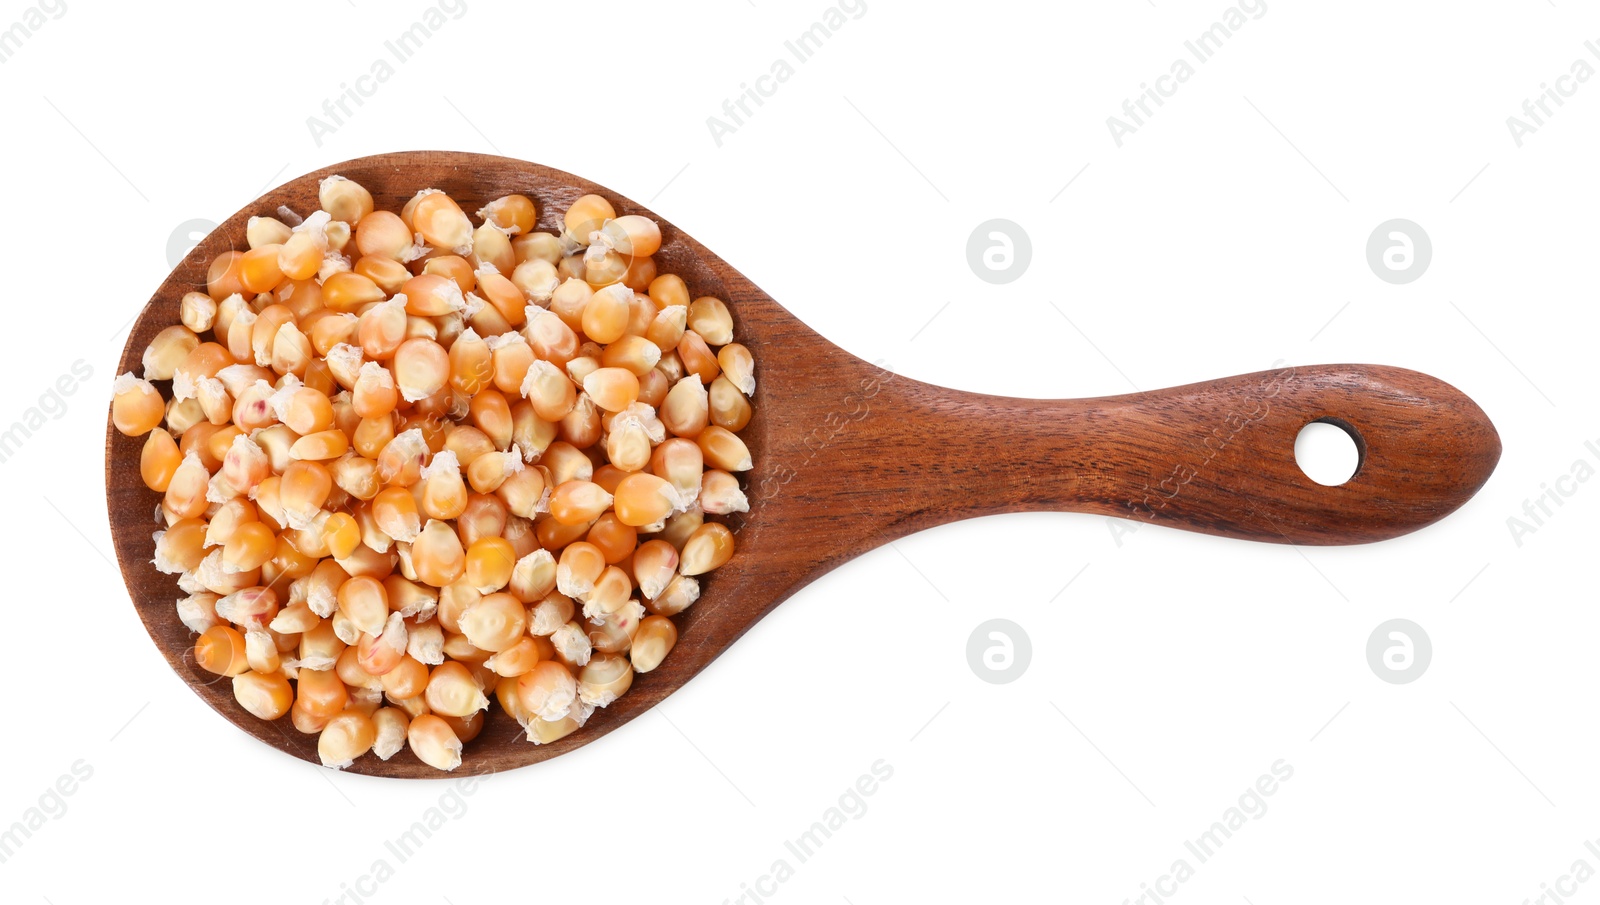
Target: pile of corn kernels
{"x":409,"y":464}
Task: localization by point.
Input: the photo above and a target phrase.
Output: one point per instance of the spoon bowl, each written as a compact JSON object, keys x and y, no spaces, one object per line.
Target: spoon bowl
{"x":849,"y":456}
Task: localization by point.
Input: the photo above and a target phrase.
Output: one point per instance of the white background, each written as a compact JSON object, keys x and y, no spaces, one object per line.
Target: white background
{"x":1226,"y":234}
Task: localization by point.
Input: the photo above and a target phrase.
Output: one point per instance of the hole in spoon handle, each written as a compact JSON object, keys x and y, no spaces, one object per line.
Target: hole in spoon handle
{"x":1219,"y":456}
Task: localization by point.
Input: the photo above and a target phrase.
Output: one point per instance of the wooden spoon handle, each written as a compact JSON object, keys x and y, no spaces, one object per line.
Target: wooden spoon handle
{"x":1216,"y":457}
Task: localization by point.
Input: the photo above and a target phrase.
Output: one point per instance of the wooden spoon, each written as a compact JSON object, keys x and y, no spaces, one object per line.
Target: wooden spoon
{"x":849,"y":456}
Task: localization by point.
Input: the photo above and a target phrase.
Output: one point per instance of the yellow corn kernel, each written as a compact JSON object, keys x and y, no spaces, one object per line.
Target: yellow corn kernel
{"x":220,"y":650}
{"x":437,"y":554}
{"x":578,"y":502}
{"x":266,"y":696}
{"x":347,"y":736}
{"x":643,"y":498}
{"x":136,"y":407}
{"x":158,"y":460}
{"x":723,"y":449}
{"x":710,"y":546}
{"x":652,"y":643}
{"x":612,"y":389}
{"x":441,"y":222}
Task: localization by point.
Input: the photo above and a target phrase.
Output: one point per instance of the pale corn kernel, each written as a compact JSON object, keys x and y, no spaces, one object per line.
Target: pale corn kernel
{"x":525,"y":493}
{"x":510,"y":358}
{"x":550,"y":614}
{"x":452,"y":691}
{"x":198,"y":611}
{"x":389,"y":735}
{"x":495,"y":622}
{"x":676,"y":597}
{"x":530,"y":434}
{"x":687,"y":409}
{"x":421,"y":368}
{"x":537,"y":280}
{"x":384,"y":234}
{"x":655,"y":564}
{"x":344,"y":200}
{"x":613,"y":632}
{"x":532,"y":576}
{"x":434,"y":743}
{"x":710,"y":318}
{"x":425,"y":643}
{"x":488,"y":473}
{"x":320,"y":646}
{"x":550,"y":338}
{"x":365,"y":602}
{"x":197,"y":311}
{"x":345,"y":737}
{"x":294,"y":619}
{"x":580,"y":566}
{"x":492,"y":247}
{"x":167,"y":350}
{"x":720,"y":494}
{"x":682,"y":464}
{"x":547,"y":691}
{"x":260,"y":231}
{"x":651,"y":644}
{"x":604,"y":678}
{"x":181,"y":547}
{"x":611,"y":591}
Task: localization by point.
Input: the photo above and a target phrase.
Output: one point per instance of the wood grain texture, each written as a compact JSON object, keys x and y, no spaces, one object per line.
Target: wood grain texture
{"x":848,"y":457}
